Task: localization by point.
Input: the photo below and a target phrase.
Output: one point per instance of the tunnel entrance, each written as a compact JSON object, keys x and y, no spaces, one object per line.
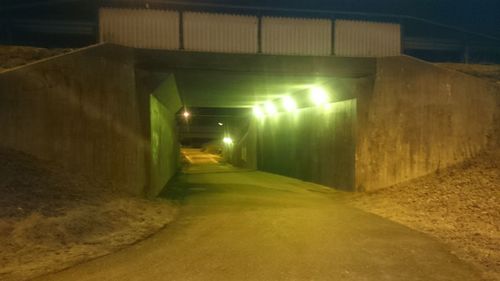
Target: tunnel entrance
{"x":314,"y":140}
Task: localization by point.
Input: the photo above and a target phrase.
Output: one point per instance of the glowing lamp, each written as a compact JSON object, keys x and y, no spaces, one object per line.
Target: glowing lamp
{"x":289,"y":104}
{"x":319,"y":96}
{"x":270,"y":108}
{"x":257,"y":111}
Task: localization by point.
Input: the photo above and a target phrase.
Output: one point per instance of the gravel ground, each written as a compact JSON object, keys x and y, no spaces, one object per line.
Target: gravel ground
{"x":12,"y":56}
{"x":458,"y":205}
{"x":50,"y":220}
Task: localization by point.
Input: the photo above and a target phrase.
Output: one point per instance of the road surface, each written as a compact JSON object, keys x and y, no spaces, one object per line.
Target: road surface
{"x":258,"y":226}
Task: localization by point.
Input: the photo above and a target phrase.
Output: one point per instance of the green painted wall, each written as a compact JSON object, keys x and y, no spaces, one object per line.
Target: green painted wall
{"x":164,"y":103}
{"x":243,"y":153}
{"x":311,"y":144}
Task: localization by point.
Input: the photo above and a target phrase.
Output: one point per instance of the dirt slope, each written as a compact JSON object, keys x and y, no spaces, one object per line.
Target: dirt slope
{"x":12,"y":56}
{"x":458,"y":205}
{"x":484,"y":71}
{"x":50,"y":219}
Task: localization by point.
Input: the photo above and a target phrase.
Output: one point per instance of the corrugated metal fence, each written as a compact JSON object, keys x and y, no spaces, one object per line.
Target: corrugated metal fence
{"x":220,"y":33}
{"x":366,"y":39}
{"x":296,"y":36}
{"x":141,"y":28}
{"x":212,"y":32}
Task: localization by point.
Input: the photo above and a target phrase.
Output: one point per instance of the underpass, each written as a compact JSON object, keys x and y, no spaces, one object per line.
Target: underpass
{"x":374,"y":131}
{"x":255,"y":123}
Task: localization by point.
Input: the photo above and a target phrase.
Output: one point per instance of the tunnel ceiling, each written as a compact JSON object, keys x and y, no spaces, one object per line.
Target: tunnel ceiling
{"x":230,"y":89}
{"x":243,"y":80}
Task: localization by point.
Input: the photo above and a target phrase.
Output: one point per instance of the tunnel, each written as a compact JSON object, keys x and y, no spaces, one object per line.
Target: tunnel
{"x":116,"y":114}
{"x":216,"y":96}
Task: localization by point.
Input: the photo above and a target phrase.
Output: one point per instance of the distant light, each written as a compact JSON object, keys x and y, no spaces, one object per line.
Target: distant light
{"x":289,"y":104}
{"x":319,"y":96}
{"x":270,"y":108}
{"x":220,"y":124}
{"x":257,"y":111}
{"x":227,"y":140}
{"x":186,"y":114}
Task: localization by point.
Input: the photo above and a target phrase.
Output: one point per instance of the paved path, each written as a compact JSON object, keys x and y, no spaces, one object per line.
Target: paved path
{"x":258,"y":226}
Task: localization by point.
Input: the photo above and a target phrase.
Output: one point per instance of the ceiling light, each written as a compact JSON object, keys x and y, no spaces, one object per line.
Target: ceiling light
{"x":319,"y":96}
{"x":289,"y":104}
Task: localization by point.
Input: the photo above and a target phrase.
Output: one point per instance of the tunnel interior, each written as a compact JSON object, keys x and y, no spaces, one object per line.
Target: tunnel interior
{"x":312,"y":141}
{"x":312,"y":144}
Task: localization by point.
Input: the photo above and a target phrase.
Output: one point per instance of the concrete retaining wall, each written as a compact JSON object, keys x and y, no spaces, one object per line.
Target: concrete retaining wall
{"x":82,"y":110}
{"x":420,"y":118}
{"x":79,"y":110}
{"x":165,"y":147}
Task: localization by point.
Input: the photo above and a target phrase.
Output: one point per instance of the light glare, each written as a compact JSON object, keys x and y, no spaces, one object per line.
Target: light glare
{"x":319,"y":96}
{"x":289,"y":104}
{"x":270,"y":108}
{"x":257,"y":111}
{"x":227,"y":140}
{"x":186,"y":114}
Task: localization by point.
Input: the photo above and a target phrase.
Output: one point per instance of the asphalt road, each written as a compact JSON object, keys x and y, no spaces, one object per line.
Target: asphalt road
{"x":258,"y":226}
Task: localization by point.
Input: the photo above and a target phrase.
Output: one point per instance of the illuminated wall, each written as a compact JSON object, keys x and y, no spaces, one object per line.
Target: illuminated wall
{"x":315,"y":144}
{"x":164,"y":140}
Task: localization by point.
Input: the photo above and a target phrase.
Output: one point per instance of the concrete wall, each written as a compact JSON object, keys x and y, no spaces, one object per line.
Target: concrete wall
{"x":243,"y":153}
{"x":419,"y":118}
{"x":312,"y":144}
{"x":79,"y":110}
{"x":89,"y":112}
{"x":164,"y":103}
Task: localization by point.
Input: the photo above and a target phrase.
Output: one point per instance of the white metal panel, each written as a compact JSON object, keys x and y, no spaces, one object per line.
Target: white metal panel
{"x":220,"y":33}
{"x":140,"y":28}
{"x":296,"y":36}
{"x":367,"y":39}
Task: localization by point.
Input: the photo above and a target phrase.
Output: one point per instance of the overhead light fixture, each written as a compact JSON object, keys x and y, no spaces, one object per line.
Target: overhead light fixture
{"x":220,"y":124}
{"x":289,"y":104}
{"x":319,"y":96}
{"x":227,"y":140}
{"x":270,"y":108}
{"x":257,"y":111}
{"x":186,"y":114}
